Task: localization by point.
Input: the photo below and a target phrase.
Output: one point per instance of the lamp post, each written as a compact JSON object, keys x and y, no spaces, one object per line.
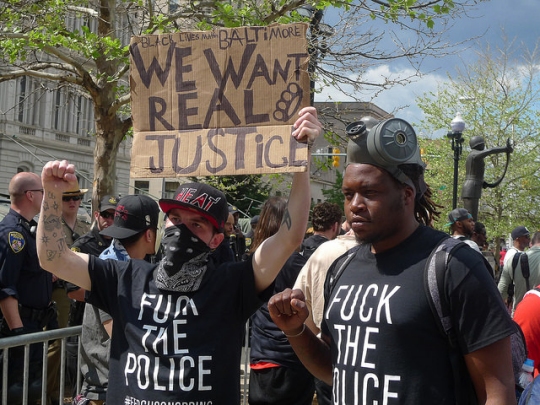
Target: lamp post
{"x":458,"y":126}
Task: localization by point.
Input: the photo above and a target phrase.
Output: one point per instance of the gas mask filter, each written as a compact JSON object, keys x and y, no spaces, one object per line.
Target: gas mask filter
{"x":385,"y":144}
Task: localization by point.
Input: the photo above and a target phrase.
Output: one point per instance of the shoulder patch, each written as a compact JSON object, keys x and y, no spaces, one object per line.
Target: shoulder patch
{"x":16,"y":242}
{"x":76,"y":249}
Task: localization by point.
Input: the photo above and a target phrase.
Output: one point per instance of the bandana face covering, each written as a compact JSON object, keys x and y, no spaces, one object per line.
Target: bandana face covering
{"x":184,"y":263}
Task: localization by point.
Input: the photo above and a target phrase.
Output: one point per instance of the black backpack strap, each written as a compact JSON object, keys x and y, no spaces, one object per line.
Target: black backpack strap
{"x":434,"y":282}
{"x":511,"y":287}
{"x":434,"y":277}
{"x":524,"y":261}
{"x":337,"y":269}
{"x":515,"y":261}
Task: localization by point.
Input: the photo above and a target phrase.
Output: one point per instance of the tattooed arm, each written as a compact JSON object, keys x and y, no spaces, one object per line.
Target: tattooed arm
{"x":54,"y":255}
{"x":272,"y":254}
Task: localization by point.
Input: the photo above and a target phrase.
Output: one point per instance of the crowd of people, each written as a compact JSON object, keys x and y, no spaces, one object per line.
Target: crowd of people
{"x":163,"y":290}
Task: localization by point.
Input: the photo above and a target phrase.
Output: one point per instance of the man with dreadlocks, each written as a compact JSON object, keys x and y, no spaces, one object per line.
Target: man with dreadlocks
{"x":380,"y":342}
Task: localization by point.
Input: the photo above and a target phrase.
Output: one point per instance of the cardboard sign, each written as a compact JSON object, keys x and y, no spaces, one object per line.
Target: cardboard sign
{"x":218,"y":102}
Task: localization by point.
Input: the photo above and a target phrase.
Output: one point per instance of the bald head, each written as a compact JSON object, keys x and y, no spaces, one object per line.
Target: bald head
{"x":26,"y":193}
{"x":22,"y":182}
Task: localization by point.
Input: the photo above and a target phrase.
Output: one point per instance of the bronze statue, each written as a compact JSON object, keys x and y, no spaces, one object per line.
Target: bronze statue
{"x":474,"y":172}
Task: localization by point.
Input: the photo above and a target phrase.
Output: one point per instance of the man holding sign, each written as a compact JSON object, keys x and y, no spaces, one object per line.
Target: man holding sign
{"x":178,"y":325}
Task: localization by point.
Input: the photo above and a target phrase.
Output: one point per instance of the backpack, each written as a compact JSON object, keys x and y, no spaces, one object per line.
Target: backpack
{"x":434,"y":274}
{"x":525,"y":271}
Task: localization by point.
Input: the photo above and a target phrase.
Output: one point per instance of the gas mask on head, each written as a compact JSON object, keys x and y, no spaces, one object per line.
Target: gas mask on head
{"x":184,"y":260}
{"x":385,"y":144}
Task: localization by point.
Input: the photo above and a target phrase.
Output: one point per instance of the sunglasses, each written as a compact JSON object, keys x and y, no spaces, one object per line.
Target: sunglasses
{"x":106,"y":214}
{"x":72,"y":198}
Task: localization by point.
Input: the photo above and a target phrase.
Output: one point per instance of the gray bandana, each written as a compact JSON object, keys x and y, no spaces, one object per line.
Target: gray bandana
{"x":187,"y":279}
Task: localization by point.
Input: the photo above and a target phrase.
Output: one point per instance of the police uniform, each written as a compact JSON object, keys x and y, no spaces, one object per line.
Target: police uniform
{"x":92,"y":243}
{"x":21,"y":277}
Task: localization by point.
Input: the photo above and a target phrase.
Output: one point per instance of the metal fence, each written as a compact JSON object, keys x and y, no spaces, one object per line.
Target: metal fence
{"x":48,"y":336}
{"x":43,"y":338}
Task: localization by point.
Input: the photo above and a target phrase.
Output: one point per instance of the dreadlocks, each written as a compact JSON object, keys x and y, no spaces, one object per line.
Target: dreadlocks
{"x":425,"y":209}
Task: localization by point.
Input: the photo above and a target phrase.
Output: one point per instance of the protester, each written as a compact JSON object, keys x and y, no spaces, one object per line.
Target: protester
{"x":379,"y":337}
{"x":516,"y":276}
{"x":178,"y":325}
{"x":480,"y":235}
{"x":25,"y":288}
{"x":326,"y":223}
{"x":527,"y":316}
{"x":461,"y":225}
{"x":521,"y":238}
{"x":276,"y":375}
{"x":134,"y":231}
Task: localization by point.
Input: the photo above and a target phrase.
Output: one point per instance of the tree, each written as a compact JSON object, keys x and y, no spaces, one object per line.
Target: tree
{"x":247,"y":193}
{"x":500,"y":95}
{"x":334,"y":193}
{"x":83,"y":45}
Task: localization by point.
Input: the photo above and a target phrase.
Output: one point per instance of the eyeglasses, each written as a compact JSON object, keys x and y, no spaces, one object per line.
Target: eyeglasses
{"x":106,"y":214}
{"x":39,"y":189}
{"x":71,"y":198}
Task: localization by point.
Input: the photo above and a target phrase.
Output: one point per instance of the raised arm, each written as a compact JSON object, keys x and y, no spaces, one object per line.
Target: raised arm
{"x":271,"y":255}
{"x":53,"y":253}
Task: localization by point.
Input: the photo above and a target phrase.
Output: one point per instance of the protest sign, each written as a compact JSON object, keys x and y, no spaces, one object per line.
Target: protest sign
{"x":218,"y":102}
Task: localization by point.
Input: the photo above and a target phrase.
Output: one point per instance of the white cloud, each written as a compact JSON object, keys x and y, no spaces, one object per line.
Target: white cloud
{"x":400,"y":100}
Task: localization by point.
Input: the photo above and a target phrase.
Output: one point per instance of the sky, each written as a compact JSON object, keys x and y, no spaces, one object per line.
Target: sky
{"x":518,"y":19}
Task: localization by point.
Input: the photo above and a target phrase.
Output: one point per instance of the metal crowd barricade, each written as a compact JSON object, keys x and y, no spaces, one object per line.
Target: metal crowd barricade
{"x":63,"y":334}
{"x":44,"y":338}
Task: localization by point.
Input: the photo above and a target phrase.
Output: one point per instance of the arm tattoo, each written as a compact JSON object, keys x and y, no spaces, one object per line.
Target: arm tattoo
{"x":51,"y":222}
{"x":287,"y":220}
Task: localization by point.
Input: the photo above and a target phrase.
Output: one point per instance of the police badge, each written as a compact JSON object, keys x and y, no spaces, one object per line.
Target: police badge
{"x":16,"y":242}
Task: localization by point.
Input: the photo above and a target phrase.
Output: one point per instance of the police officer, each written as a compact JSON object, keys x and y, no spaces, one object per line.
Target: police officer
{"x":25,"y":288}
{"x":92,"y":242}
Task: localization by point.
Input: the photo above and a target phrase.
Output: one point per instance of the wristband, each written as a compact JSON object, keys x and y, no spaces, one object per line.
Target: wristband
{"x":18,"y":331}
{"x":298,"y":334}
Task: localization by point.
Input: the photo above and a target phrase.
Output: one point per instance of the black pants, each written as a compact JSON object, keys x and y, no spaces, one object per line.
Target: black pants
{"x":281,"y":386}
{"x":16,"y":367}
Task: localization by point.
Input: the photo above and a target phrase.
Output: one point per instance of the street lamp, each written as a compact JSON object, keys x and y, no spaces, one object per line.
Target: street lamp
{"x":458,"y":126}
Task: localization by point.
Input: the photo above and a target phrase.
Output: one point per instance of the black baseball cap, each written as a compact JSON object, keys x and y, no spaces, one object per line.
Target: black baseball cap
{"x":202,"y":199}
{"x":133,"y":214}
{"x":519,"y":231}
{"x":107,"y":202}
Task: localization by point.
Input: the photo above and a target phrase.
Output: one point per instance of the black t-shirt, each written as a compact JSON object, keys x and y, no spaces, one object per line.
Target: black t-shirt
{"x":171,"y":347}
{"x":386,"y":345}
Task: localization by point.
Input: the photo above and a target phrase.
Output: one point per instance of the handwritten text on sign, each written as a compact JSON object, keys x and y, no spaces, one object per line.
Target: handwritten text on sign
{"x":228,"y":78}
{"x":224,"y":151}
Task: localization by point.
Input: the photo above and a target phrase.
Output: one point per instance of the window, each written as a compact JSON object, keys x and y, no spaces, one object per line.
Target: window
{"x":170,"y":189}
{"x":22,"y":98}
{"x":142,"y":187}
